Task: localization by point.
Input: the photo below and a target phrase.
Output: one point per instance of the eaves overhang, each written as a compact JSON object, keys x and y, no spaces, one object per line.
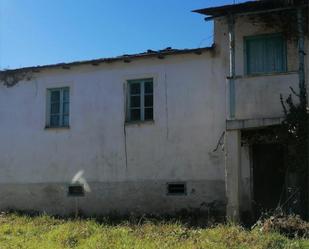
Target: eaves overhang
{"x":127,"y":58}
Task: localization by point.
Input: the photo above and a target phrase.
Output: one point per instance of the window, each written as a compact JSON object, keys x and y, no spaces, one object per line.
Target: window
{"x":176,"y":189}
{"x":265,"y":54}
{"x":140,"y":100}
{"x":76,"y":190}
{"x":58,"y":107}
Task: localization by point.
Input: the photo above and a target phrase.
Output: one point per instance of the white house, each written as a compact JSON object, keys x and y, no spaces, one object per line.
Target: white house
{"x":143,"y":133}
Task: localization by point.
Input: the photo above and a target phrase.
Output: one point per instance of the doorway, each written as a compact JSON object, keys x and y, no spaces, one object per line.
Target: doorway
{"x":268,"y":177}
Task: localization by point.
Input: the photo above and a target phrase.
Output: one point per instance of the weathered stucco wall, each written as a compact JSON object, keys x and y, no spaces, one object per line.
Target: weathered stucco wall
{"x":126,"y":166}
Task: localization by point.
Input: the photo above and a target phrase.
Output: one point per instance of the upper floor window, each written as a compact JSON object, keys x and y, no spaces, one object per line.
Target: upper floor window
{"x":265,"y":54}
{"x":140,"y":100}
{"x":58,"y":107}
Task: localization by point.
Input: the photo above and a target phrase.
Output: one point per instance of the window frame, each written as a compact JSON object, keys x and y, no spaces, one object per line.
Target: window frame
{"x":61,"y":104}
{"x":261,"y":36}
{"x":142,"y":95}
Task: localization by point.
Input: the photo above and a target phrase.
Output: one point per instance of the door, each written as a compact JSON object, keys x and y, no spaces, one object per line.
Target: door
{"x":268,"y":177}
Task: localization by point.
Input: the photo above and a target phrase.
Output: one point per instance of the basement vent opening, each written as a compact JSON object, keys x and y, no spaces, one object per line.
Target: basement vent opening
{"x":76,"y":191}
{"x":176,"y":189}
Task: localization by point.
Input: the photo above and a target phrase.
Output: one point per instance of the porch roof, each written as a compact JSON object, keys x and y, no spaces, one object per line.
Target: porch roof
{"x":250,"y":6}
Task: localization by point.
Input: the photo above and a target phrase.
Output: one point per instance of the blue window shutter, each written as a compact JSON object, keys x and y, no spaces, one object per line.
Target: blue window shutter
{"x":265,"y":54}
{"x":275,"y":59}
{"x":255,"y":55}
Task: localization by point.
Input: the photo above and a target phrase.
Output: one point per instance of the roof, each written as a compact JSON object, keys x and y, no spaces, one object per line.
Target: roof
{"x":160,"y":54}
{"x":249,"y":6}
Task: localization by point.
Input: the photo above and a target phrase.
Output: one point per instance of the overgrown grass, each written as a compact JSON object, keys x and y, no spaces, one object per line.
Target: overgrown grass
{"x":17,"y":231}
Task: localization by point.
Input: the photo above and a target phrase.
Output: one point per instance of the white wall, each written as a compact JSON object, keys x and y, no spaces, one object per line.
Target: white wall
{"x":189,"y":118}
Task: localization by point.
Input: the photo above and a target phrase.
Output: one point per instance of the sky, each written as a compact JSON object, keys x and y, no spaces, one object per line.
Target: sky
{"x":40,"y":32}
